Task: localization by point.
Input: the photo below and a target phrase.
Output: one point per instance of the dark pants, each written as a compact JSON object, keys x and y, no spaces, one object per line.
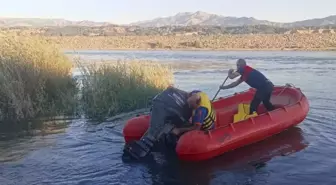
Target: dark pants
{"x":262,"y":95}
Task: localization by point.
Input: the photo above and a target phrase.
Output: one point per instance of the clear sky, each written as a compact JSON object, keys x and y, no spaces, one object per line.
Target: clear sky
{"x":126,"y":11}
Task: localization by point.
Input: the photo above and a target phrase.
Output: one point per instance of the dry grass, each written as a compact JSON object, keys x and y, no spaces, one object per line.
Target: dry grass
{"x":35,"y":79}
{"x":223,"y":42}
{"x":109,"y":89}
{"x":36,"y":82}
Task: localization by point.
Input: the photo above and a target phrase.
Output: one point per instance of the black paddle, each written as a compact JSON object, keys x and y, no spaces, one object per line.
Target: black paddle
{"x":219,"y":88}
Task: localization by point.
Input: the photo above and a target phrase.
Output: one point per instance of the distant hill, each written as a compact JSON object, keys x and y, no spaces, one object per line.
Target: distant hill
{"x":203,"y":19}
{"x":37,"y":22}
{"x":318,"y":22}
{"x":187,"y":23}
{"x":183,"y":19}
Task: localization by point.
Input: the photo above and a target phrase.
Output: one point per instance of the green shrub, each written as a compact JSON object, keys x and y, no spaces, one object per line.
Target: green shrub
{"x":109,"y":89}
{"x":35,"y":79}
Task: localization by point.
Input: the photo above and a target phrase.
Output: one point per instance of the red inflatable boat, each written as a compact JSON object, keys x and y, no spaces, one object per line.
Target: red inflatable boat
{"x":250,"y":157}
{"x":233,"y":128}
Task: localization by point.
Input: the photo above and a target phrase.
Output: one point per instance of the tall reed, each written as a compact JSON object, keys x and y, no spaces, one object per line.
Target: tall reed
{"x":109,"y":89}
{"x":35,"y":79}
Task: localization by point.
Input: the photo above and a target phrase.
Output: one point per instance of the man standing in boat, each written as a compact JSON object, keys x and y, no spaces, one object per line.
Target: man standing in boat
{"x":203,"y":115}
{"x":254,"y":79}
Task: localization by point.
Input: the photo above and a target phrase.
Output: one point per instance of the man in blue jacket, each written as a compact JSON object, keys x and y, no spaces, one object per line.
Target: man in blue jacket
{"x":254,"y":79}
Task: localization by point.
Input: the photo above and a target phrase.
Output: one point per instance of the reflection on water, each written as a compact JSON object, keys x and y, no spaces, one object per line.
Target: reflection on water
{"x":16,"y":149}
{"x":15,"y":145}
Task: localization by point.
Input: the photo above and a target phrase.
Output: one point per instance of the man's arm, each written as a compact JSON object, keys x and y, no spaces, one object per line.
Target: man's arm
{"x":178,"y":131}
{"x":233,"y":75}
{"x":197,"y":121}
{"x":232,"y":85}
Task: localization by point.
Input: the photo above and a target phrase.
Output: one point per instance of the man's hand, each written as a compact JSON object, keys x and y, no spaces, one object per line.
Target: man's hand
{"x":176,"y":131}
{"x":230,"y":71}
{"x":222,"y":87}
{"x":233,"y":74}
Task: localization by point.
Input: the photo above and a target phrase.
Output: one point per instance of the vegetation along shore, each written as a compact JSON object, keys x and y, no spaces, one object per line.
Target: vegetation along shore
{"x":37,"y":83}
{"x":221,"y":42}
{"x":196,"y":37}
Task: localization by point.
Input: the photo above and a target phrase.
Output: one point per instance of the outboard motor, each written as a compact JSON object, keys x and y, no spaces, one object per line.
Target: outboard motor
{"x":169,"y":109}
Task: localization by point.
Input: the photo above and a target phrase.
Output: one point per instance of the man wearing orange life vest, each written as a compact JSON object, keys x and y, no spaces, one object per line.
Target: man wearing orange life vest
{"x":254,"y":79}
{"x":203,"y":116}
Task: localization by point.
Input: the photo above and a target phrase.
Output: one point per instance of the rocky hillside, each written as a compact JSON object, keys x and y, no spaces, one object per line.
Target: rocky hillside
{"x":203,"y":18}
{"x":318,"y":22}
{"x":36,"y":22}
{"x":183,"y":19}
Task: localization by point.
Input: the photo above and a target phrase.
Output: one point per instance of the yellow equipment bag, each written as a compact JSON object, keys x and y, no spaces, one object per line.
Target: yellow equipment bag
{"x":243,"y":113}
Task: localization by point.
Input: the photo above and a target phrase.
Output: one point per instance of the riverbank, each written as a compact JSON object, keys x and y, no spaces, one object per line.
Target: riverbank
{"x":211,"y":49}
{"x":307,"y":42}
{"x":37,"y":82}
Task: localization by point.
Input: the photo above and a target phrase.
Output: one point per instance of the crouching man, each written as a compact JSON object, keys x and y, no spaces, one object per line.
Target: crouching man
{"x":203,"y":114}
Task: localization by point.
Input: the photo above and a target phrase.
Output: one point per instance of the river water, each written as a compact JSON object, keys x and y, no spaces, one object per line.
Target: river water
{"x":88,"y":153}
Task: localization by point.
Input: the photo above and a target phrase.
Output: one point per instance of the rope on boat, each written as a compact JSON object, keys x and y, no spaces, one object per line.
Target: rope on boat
{"x":288,"y":85}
